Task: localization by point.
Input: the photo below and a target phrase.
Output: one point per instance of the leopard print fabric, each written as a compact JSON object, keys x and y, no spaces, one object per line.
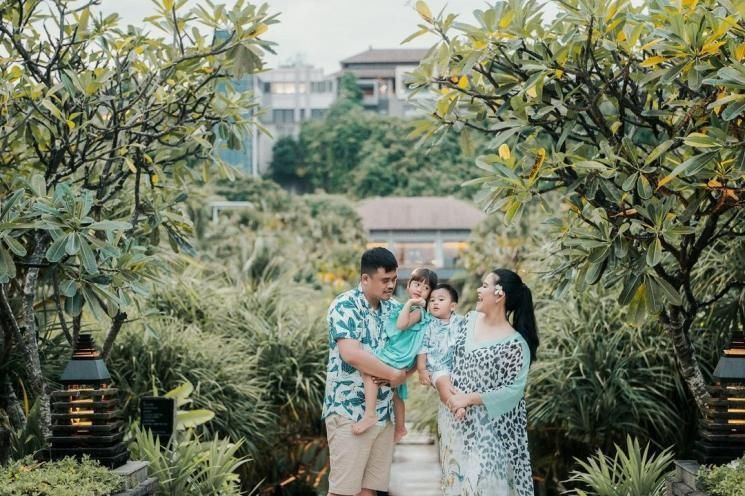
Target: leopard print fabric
{"x":481,"y":455}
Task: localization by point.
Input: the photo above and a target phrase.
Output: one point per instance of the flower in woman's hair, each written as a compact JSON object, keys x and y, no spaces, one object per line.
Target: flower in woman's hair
{"x":498,"y":291}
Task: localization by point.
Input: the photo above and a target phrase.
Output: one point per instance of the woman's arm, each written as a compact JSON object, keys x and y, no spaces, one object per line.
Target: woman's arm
{"x":501,"y":400}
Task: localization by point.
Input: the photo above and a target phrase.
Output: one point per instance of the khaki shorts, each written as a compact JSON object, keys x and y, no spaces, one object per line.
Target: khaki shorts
{"x":358,"y":461}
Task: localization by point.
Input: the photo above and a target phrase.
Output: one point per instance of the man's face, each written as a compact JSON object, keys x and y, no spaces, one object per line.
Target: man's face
{"x":380,"y":284}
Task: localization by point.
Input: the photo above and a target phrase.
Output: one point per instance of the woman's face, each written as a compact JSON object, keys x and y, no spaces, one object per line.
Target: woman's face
{"x":486,"y":297}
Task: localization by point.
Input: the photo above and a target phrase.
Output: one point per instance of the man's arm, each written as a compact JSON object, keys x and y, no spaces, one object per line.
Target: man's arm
{"x":351,"y":351}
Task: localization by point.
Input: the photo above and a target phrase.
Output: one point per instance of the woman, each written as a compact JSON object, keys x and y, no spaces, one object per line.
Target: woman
{"x":485,"y":451}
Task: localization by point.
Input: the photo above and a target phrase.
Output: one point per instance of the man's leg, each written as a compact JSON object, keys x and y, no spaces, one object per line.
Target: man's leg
{"x":378,"y":470}
{"x":348,"y":455}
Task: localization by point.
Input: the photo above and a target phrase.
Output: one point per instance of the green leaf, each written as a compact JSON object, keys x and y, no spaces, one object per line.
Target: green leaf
{"x":699,"y":140}
{"x":87,"y":258}
{"x":654,"y":252}
{"x":95,"y":305}
{"x":644,"y":188}
{"x":56,"y":250}
{"x":193,"y":418}
{"x":733,"y":111}
{"x":689,"y":167}
{"x":181,"y":393}
{"x":15,"y":246}
{"x":74,"y":305}
{"x":73,"y":244}
{"x":39,"y":185}
{"x":7,"y":265}
{"x":630,"y":182}
{"x":672,"y":294}
{"x":658,"y":150}
{"x":67,"y":288}
{"x":8,"y":204}
{"x":630,"y":285}
{"x":110,"y":225}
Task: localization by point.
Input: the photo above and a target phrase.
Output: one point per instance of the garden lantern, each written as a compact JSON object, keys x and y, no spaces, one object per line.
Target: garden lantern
{"x":723,"y":428}
{"x":86,"y":419}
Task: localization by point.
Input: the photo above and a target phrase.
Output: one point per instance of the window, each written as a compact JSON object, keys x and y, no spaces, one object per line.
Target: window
{"x":415,"y":254}
{"x":316,"y":114}
{"x":321,"y":87}
{"x":281,"y":116}
{"x":267,"y":87}
{"x":451,"y":252}
{"x":302,"y":115}
{"x":280,"y":88}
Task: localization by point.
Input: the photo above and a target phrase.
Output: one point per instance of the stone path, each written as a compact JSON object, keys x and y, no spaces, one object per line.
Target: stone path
{"x":416,"y":467}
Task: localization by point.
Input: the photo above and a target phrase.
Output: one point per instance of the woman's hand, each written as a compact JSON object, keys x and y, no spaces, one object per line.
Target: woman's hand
{"x":458,"y":401}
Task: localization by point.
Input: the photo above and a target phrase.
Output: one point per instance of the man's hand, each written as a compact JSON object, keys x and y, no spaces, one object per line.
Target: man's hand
{"x":398,"y":378}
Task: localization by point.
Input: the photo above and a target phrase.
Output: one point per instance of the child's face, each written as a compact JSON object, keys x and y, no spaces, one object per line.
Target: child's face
{"x":441,"y":304}
{"x":418,"y":289}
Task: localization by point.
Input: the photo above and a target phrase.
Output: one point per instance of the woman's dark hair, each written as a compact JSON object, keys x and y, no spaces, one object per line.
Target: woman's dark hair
{"x":519,"y":305}
{"x":425,"y":275}
{"x":451,"y":290}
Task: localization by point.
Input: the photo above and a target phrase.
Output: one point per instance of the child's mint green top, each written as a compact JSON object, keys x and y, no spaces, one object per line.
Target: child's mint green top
{"x":402,"y":347}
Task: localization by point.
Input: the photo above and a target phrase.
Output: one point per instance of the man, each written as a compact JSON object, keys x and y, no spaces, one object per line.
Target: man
{"x":360,"y":464}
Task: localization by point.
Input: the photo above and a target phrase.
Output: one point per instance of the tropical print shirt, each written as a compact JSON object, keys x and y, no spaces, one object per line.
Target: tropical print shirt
{"x":438,"y":339}
{"x":350,"y":316}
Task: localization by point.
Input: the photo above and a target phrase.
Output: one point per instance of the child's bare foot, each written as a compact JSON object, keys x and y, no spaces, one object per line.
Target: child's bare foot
{"x":364,"y":424}
{"x":399,"y":433}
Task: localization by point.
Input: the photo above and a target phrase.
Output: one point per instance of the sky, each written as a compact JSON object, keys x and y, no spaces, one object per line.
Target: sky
{"x":323,"y":32}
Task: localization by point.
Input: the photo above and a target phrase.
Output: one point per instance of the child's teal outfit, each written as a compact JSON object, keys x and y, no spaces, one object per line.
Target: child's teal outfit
{"x":402,"y":347}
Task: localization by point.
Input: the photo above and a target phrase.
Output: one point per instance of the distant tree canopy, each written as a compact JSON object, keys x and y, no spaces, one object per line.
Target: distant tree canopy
{"x":363,"y":154}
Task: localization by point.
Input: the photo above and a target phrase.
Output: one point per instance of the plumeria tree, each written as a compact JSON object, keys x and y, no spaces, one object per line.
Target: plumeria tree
{"x":635,"y":114}
{"x":102,"y":131}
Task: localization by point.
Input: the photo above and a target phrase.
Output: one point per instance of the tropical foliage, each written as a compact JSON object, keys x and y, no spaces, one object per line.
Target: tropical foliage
{"x":66,"y":477}
{"x":102,"y":130}
{"x":631,"y":472}
{"x":726,"y":480}
{"x":633,"y":112}
{"x":363,"y":154}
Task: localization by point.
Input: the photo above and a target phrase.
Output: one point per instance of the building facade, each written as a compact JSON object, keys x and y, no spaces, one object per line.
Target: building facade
{"x":290,"y":96}
{"x":381,"y":76}
{"x":421,"y":231}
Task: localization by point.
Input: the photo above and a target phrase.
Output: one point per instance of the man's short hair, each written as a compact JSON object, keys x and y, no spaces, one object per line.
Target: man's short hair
{"x":449,"y":289}
{"x":376,"y":258}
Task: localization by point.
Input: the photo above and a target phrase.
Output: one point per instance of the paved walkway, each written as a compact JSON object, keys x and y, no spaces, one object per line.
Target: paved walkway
{"x":416,"y":467}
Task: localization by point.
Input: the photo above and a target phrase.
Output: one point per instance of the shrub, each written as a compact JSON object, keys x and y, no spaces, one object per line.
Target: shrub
{"x":66,"y":477}
{"x":634,"y":472}
{"x":725,"y":480}
{"x":188,"y":466}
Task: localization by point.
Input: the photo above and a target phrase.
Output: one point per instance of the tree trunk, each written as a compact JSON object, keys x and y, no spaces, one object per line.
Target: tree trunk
{"x":678,"y":328}
{"x":29,"y":345}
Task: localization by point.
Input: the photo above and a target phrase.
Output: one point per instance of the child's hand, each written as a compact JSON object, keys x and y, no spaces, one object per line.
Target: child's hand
{"x":424,"y":377}
{"x":417,"y":302}
{"x":460,"y":414}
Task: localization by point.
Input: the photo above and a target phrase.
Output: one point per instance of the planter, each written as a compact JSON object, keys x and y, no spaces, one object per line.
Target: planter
{"x":682,"y":482}
{"x":136,"y":480}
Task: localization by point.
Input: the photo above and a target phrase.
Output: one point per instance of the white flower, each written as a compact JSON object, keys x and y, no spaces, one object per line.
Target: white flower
{"x":498,"y":291}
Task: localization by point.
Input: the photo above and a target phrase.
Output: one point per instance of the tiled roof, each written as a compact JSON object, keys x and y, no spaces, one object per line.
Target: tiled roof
{"x":424,"y":213}
{"x":387,"y":55}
